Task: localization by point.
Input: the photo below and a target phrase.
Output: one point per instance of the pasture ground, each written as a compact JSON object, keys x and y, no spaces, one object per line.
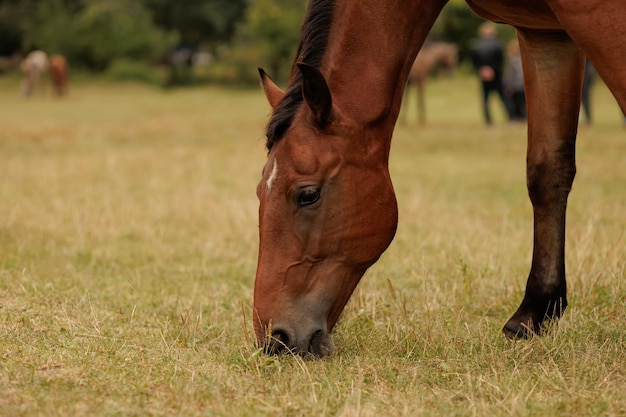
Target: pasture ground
{"x":128,"y":238}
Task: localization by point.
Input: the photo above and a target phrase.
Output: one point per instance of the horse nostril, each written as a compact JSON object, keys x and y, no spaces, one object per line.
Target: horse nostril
{"x":283,"y":341}
{"x":279,"y":343}
{"x":321,"y":345}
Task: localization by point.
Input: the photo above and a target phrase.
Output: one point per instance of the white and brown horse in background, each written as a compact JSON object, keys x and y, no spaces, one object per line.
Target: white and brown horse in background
{"x":36,"y":67}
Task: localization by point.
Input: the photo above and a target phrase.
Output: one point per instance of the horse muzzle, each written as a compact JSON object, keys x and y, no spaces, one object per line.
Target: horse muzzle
{"x":287,"y":340}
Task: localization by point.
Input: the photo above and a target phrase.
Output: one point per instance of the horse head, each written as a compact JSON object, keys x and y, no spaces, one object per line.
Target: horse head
{"x":327,"y":212}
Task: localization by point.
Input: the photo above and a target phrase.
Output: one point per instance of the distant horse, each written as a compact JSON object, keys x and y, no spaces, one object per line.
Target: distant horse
{"x":432,"y":56}
{"x":327,"y":207}
{"x":58,"y":74}
{"x":34,"y":67}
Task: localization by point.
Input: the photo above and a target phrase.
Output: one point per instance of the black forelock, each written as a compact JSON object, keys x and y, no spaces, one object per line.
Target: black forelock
{"x":311,"y":50}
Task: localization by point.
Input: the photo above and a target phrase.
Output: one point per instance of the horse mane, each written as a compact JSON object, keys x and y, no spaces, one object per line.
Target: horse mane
{"x":311,"y":49}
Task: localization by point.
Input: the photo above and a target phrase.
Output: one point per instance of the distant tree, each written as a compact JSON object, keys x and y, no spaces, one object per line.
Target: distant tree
{"x":199,"y":22}
{"x":94,"y":33}
{"x":12,"y":16}
{"x":10,"y":37}
{"x":29,"y":17}
{"x":51,"y":27}
{"x":118,"y":29}
{"x":273,"y":27}
{"x":207,"y":23}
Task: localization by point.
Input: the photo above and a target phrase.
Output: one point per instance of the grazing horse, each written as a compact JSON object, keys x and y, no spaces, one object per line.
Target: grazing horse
{"x":327,"y":206}
{"x":431,"y":55}
{"x":58,"y":74}
{"x":34,"y":67}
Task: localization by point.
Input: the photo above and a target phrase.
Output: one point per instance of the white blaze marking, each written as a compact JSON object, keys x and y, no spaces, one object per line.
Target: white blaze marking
{"x":272,"y":177}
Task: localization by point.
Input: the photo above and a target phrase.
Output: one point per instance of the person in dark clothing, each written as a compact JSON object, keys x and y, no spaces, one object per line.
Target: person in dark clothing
{"x":588,"y":79}
{"x":488,"y":61}
{"x":514,"y":83}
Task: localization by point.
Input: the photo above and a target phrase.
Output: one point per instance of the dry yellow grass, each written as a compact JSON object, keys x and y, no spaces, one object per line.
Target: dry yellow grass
{"x":128,"y":247}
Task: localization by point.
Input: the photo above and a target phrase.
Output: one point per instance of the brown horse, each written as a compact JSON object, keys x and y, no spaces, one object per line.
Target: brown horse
{"x":432,"y":55}
{"x":327,"y":206}
{"x":58,"y":74}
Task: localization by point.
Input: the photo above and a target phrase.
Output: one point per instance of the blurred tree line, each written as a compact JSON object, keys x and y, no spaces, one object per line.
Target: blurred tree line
{"x":134,"y":36}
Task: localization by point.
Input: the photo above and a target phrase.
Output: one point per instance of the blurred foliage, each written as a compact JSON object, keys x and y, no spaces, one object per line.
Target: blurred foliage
{"x":11,"y":32}
{"x":94,"y":34}
{"x":124,"y":69}
{"x":197,"y":22}
{"x":119,"y":29}
{"x":267,"y":38}
{"x":124,"y":37}
{"x":10,"y":37}
{"x":97,"y":33}
{"x":273,"y":28}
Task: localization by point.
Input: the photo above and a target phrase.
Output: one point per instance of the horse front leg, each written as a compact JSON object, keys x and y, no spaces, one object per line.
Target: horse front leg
{"x":553,"y":68}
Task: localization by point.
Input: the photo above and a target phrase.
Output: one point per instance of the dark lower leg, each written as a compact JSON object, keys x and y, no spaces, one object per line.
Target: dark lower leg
{"x":486,"y":112}
{"x":545,"y":298}
{"x":552,"y":81}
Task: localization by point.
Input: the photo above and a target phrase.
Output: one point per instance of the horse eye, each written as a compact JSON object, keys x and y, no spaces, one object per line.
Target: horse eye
{"x":308,"y":195}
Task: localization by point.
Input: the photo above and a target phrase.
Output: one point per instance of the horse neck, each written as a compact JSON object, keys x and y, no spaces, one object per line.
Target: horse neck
{"x":371,"y":48}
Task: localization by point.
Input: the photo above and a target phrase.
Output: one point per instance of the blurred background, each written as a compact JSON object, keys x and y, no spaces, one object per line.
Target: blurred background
{"x":129,"y":229}
{"x":173,"y":43}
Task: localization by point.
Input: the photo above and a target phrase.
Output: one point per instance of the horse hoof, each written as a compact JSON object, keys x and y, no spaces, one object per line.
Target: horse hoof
{"x":528,"y":321}
{"x":515,"y":329}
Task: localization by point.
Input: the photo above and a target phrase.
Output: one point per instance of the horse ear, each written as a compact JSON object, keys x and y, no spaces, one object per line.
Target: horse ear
{"x":273,"y":93}
{"x":316,"y":93}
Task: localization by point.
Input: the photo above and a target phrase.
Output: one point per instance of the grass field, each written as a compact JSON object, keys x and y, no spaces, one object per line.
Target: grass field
{"x":128,"y":237}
